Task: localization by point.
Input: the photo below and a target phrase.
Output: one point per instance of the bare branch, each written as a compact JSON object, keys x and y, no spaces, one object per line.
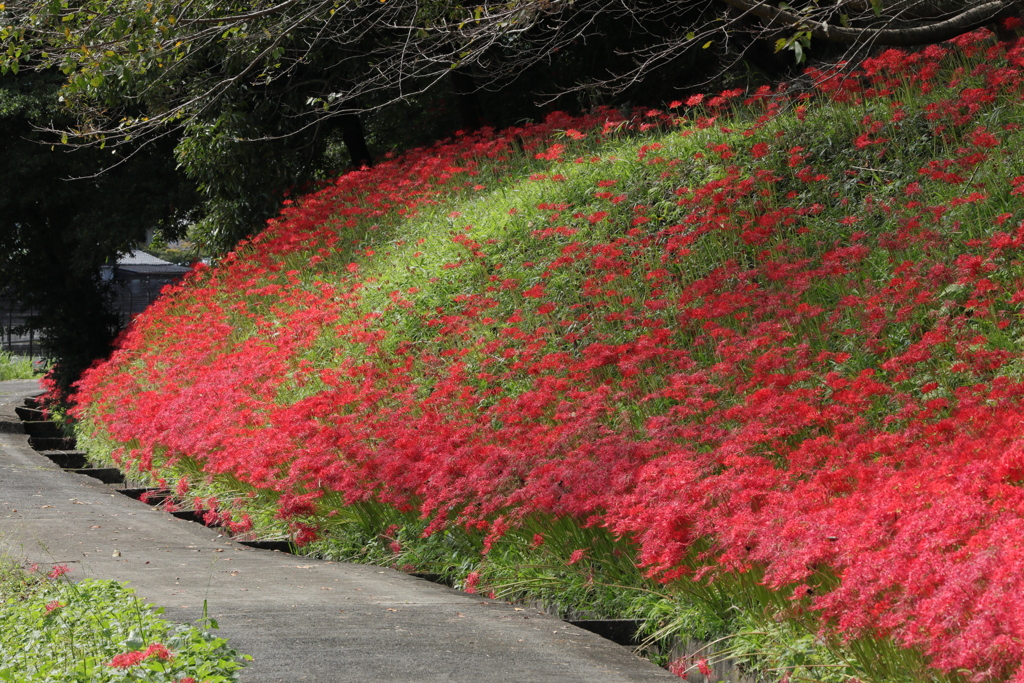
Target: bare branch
{"x":894,"y":37}
{"x":239,"y":18}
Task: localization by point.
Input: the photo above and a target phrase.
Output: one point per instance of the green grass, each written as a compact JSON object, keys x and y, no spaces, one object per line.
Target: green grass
{"x":55,"y":631}
{"x":15,"y":367}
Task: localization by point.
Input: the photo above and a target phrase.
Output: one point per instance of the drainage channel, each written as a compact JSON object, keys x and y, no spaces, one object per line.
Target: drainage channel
{"x":47,"y":439}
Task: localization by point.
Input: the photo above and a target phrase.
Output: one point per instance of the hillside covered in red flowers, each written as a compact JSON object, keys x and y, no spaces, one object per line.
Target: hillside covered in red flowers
{"x":772,"y":332}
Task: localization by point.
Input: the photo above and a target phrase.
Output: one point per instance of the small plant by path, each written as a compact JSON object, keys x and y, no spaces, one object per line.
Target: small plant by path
{"x":53,"y":630}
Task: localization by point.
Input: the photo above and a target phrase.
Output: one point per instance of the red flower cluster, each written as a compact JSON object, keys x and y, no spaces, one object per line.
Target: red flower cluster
{"x":57,"y":571}
{"x":126,"y":660}
{"x":834,"y":401}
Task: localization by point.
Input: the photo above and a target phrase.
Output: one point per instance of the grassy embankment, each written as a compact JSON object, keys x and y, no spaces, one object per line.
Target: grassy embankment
{"x":751,"y":374}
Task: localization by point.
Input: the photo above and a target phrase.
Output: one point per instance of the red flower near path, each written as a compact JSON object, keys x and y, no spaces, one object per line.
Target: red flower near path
{"x":58,"y":570}
{"x":679,"y":668}
{"x":127,"y":660}
{"x":703,"y":667}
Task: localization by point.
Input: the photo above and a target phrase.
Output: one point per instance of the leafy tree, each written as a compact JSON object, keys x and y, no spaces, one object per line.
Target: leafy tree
{"x":266,"y":93}
{"x":60,"y":221}
{"x":348,"y":56}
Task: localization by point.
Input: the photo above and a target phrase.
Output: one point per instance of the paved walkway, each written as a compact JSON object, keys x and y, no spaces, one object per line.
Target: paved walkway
{"x":301,"y":619}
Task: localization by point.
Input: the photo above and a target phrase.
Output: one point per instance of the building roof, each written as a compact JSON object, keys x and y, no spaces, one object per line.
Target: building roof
{"x":141,"y":263}
{"x":169,"y":270}
{"x":141,"y":258}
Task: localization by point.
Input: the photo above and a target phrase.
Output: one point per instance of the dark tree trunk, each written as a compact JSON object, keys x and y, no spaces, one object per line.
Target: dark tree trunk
{"x":355,"y":140}
{"x":467,"y":103}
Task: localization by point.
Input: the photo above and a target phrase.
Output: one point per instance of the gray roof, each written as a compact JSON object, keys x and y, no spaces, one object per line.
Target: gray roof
{"x":146,"y":269}
{"x":139,"y":257}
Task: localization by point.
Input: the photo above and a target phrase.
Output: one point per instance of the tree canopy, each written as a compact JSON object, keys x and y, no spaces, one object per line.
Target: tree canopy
{"x":294,"y":74}
{"x":61,"y":219}
{"x":262,"y":91}
{"x":135,"y":65}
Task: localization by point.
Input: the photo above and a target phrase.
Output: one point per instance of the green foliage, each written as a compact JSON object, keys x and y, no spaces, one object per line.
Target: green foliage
{"x":15,"y":367}
{"x":179,"y":252}
{"x":53,"y":631}
{"x":263,"y":94}
{"x":63,"y":214}
{"x":244,"y":158}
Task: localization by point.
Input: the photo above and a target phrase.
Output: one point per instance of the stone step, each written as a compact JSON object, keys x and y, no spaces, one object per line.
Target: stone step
{"x":189,"y":516}
{"x":67,"y":459}
{"x":11,"y":427}
{"x":32,"y":402}
{"x":29,"y":413}
{"x":52,"y":443}
{"x":434,"y":578}
{"x":108,"y":475}
{"x":153,"y":496}
{"x":625,"y":632}
{"x":276,"y":546}
{"x":43,"y":428}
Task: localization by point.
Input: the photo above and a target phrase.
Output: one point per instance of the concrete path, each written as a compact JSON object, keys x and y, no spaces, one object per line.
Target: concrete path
{"x":301,"y":619}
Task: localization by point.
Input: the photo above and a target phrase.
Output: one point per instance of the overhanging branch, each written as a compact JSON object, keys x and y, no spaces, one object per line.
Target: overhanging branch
{"x":893,"y":37}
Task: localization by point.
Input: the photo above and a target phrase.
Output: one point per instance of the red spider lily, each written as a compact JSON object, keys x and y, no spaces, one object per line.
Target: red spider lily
{"x":126,"y":660}
{"x":58,"y":571}
{"x":806,"y":402}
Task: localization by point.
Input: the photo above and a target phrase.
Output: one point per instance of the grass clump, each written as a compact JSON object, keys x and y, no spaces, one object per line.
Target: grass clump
{"x":55,"y":631}
{"x":15,"y":367}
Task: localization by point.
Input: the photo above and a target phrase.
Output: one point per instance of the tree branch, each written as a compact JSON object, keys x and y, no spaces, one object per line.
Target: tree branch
{"x":240,"y":17}
{"x":893,"y":37}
